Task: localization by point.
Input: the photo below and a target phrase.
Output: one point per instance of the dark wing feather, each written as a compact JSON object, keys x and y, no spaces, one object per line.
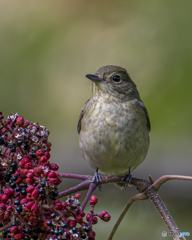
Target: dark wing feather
{"x":141,"y":104}
{"x":81,"y":116}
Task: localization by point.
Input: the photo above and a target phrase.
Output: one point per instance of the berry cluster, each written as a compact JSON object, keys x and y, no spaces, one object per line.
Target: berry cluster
{"x":29,"y":188}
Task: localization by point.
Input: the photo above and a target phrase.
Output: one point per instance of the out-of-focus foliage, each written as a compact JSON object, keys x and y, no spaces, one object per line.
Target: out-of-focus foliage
{"x":47,"y":47}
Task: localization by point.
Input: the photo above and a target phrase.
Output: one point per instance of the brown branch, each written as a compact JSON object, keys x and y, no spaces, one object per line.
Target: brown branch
{"x":151,"y":193}
{"x":147,"y":190}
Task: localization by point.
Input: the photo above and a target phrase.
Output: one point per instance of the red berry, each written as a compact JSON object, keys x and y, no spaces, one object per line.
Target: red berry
{"x":47,"y":154}
{"x":102,"y":214}
{"x":37,"y":171}
{"x":33,"y":219}
{"x":53,"y":174}
{"x":30,"y":189}
{"x":39,"y":153}
{"x":30,"y":174}
{"x":28,"y":206}
{"x":25,"y":160}
{"x":64,"y":205}
{"x":2,"y":205}
{"x":9,"y":192}
{"x":18,"y":236}
{"x":49,"y":144}
{"x":4,"y":198}
{"x":92,"y":235}
{"x":78,"y":219}
{"x":93,"y":200}
{"x":95,"y":220}
{"x":43,"y":159}
{"x":13,"y":229}
{"x":35,"y":194}
{"x":23,"y":172}
{"x":7,"y":215}
{"x":53,"y":166}
{"x":30,"y":181}
{"x":57,"y":204}
{"x":88,"y":217}
{"x":53,"y":181}
{"x":25,"y":124}
{"x":28,"y":165}
{"x":77,"y":195}
{"x":106,"y":218}
{"x":20,"y":120}
{"x":72,"y":223}
{"x":23,"y":201}
{"x":35,"y":210}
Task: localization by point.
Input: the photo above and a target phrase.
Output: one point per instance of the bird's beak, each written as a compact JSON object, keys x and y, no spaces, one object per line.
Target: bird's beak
{"x":93,"y":78}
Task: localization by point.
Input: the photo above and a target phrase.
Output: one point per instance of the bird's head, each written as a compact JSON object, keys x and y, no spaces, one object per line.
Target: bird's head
{"x":115,"y":81}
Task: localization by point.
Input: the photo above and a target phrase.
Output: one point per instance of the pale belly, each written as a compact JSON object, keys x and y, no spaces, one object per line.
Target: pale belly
{"x":114,"y":141}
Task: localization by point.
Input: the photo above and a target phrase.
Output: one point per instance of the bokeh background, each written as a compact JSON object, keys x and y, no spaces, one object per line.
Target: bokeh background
{"x":46,"y":48}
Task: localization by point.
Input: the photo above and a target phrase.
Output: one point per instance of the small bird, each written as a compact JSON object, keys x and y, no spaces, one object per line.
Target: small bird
{"x":114,"y":124}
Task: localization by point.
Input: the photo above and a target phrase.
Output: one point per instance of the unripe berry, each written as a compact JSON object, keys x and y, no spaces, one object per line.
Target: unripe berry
{"x":25,"y":124}
{"x":30,"y":181}
{"x":30,"y":189}
{"x":43,"y":159}
{"x":53,"y":174}
{"x":95,"y":220}
{"x":53,"y":166}
{"x":13,"y":229}
{"x":88,"y":217}
{"x":4,"y":198}
{"x":35,"y":210}
{"x":18,"y":236}
{"x":93,"y":200}
{"x":77,"y":195}
{"x":28,"y":165}
{"x":37,"y":171}
{"x":106,"y":218}
{"x":72,"y":223}
{"x":47,"y":154}
{"x":20,"y":120}
{"x":28,"y":206}
{"x":39,"y":153}
{"x":35,"y":194}
{"x":78,"y":219}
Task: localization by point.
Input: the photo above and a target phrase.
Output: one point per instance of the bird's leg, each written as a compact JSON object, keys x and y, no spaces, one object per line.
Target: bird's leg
{"x":127,"y":178}
{"x":97,"y":179}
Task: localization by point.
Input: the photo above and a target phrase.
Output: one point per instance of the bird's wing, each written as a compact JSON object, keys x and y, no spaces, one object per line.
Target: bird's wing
{"x":81,"y":116}
{"x":141,"y":104}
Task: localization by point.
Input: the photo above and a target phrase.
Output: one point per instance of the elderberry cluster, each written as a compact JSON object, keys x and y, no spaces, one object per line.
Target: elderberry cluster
{"x":29,"y":188}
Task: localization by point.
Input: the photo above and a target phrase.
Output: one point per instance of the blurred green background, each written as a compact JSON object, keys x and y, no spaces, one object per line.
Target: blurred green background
{"x":46,"y":48}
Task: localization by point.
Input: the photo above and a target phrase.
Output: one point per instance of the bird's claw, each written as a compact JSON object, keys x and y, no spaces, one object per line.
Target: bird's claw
{"x":97,"y":179}
{"x":127,"y":178}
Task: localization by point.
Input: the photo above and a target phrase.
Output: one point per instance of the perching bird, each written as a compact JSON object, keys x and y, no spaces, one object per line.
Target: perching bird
{"x":114,"y":124}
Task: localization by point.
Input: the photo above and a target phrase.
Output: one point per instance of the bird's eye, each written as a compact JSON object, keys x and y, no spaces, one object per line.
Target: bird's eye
{"x":116,"y":78}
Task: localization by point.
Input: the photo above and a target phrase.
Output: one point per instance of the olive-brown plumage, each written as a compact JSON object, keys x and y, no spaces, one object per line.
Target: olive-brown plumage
{"x":114,"y":124}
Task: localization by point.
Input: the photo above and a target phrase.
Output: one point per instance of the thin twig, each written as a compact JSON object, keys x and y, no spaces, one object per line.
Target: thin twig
{"x":157,"y":184}
{"x":80,"y":187}
{"x":75,"y":176}
{"x":139,"y":196}
{"x":92,"y":188}
{"x":6,"y":226}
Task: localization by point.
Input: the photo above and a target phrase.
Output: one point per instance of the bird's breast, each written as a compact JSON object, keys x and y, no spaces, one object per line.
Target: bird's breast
{"x":113,"y":136}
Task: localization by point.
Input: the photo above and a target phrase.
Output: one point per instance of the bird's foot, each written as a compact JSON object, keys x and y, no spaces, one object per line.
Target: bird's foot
{"x":127,"y":178}
{"x":97,"y":179}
